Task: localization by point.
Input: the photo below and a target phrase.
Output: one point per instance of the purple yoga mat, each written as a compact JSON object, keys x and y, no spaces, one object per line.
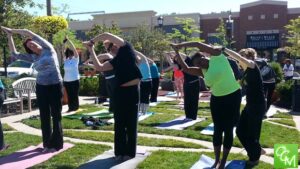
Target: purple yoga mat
{"x":28,"y":157}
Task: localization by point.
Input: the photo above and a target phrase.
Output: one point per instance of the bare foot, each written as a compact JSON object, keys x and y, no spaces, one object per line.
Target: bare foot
{"x":252,"y":163}
{"x":125,"y":158}
{"x":222,"y":165}
{"x":215,"y":164}
{"x":5,"y":147}
{"x":118,"y":158}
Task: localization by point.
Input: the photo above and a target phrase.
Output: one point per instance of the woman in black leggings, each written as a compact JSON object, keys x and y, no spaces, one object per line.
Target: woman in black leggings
{"x":126,"y":93}
{"x":249,"y":126}
{"x":226,"y":94}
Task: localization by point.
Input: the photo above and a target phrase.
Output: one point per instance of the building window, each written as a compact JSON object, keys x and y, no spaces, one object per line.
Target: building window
{"x":250,"y":17}
{"x":276,"y":16}
{"x":263,"y":16}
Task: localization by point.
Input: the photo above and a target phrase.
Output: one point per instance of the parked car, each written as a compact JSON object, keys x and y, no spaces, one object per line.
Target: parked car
{"x":18,"y":68}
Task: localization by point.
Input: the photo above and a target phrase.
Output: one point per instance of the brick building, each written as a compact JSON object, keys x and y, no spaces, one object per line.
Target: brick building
{"x":259,"y":24}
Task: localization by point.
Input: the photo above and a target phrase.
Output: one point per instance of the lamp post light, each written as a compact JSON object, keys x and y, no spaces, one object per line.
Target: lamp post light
{"x":229,"y":30}
{"x":160,"y":23}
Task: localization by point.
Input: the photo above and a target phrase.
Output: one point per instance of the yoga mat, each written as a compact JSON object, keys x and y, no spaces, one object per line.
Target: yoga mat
{"x":153,"y":104}
{"x":204,"y":96}
{"x":143,"y":117}
{"x":28,"y":157}
{"x":179,"y":123}
{"x":97,"y":112}
{"x":206,"y":162}
{"x":106,"y":160}
{"x":209,"y":130}
{"x":105,"y":104}
{"x":165,"y":99}
{"x":99,"y":115}
{"x":162,"y":92}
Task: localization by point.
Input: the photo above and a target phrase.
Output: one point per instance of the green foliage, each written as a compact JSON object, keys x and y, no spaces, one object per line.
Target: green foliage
{"x":58,"y":42}
{"x":151,"y":42}
{"x":278,"y":71}
{"x":98,"y":29}
{"x":285,"y":90}
{"x":293,"y":29}
{"x":13,"y":15}
{"x":7,"y":82}
{"x":189,"y":28}
{"x":89,"y":86}
{"x":49,"y":25}
{"x":60,"y":36}
{"x":221,"y":33}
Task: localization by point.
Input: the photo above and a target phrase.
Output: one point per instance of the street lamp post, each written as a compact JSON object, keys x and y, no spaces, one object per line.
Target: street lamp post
{"x":49,"y":11}
{"x":160,"y":23}
{"x":229,"y":30}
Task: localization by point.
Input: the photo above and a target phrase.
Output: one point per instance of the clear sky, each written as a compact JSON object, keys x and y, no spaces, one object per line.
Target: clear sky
{"x":160,"y":6}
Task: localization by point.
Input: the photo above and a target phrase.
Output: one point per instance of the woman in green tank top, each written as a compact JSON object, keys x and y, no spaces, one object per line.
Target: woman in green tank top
{"x":226,"y":95}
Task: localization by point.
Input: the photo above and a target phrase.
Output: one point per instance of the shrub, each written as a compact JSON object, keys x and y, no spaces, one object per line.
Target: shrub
{"x":49,"y":24}
{"x":89,"y":86}
{"x":7,"y":82}
{"x":285,"y":90}
{"x":278,"y":71}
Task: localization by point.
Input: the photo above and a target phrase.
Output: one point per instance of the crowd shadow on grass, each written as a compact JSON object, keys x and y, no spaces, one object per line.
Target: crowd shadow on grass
{"x":104,"y":163}
{"x":64,"y":167}
{"x":19,"y":156}
{"x":199,"y":128}
{"x":149,"y":124}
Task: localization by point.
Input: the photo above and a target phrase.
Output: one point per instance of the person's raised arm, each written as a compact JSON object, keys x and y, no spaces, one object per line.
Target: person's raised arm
{"x":72,"y":46}
{"x":214,"y":51}
{"x":11,"y":43}
{"x":108,"y":36}
{"x":242,"y":61}
{"x":103,"y":57}
{"x":98,"y":66}
{"x":196,"y":71}
{"x":150,"y":61}
{"x":41,"y":41}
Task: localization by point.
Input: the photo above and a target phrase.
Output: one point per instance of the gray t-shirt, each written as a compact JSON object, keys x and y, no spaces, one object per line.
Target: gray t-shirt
{"x":46,"y":64}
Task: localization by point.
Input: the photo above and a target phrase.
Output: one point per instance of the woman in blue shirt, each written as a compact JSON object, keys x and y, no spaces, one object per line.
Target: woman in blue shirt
{"x":155,"y":75}
{"x":48,"y":84}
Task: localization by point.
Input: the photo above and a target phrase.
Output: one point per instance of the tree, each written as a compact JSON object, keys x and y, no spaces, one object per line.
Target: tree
{"x":58,"y":41}
{"x":189,"y":28}
{"x":293,"y":37}
{"x":98,"y":29}
{"x":151,"y":42}
{"x":49,"y":25}
{"x":13,"y":15}
{"x":221,"y":34}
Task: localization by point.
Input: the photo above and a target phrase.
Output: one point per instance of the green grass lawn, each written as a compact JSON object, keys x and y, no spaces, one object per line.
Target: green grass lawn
{"x":282,"y":115}
{"x":73,"y":157}
{"x":271,"y":134}
{"x":69,"y":159}
{"x":18,"y":141}
{"x":184,"y":160}
{"x":109,"y":137}
{"x":288,"y":122}
{"x":6,"y":127}
{"x":274,"y":134}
